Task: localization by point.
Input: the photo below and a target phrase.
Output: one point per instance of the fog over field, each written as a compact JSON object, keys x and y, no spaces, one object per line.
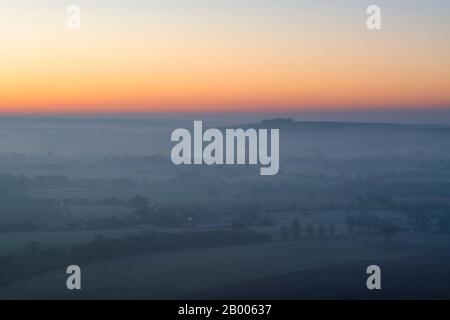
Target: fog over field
{"x":102,"y":192}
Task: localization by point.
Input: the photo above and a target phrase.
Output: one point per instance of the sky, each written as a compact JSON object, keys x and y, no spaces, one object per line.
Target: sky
{"x":224,"y":56}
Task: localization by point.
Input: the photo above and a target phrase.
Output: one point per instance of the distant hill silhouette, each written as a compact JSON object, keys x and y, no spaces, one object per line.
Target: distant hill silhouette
{"x":358,"y":139}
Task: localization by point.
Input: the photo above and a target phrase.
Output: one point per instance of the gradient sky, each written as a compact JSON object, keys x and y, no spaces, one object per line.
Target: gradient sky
{"x":223,"y":55}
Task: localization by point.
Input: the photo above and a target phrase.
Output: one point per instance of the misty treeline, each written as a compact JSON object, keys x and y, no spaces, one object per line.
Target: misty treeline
{"x":151,"y":242}
{"x":355,"y":225}
{"x":13,"y":186}
{"x":42,"y":258}
{"x":347,"y":178}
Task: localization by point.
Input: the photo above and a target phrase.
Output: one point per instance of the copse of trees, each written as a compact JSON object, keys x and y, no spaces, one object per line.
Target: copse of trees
{"x":284,"y":233}
{"x":444,"y":222}
{"x":311,"y":231}
{"x":372,"y":224}
{"x":151,"y":242}
{"x":388,"y":230}
{"x":322,"y":230}
{"x":296,"y":228}
{"x":294,"y":231}
{"x":166,"y":217}
{"x":332,"y":229}
{"x":267,"y":221}
{"x":114,"y":201}
{"x":418,"y":215}
{"x":249,"y":215}
{"x":139,"y":202}
{"x":351,"y":224}
{"x":34,"y":248}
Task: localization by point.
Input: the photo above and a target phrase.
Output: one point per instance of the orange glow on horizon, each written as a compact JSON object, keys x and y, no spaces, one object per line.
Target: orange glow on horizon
{"x":238,"y":62}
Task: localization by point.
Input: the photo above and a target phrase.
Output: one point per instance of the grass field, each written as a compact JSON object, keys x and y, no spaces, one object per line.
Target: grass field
{"x":419,"y":276}
{"x":178,"y":274}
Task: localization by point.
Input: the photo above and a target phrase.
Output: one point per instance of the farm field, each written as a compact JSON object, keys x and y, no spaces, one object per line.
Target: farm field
{"x":403,"y":278}
{"x":103,"y":194}
{"x":178,"y":274}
